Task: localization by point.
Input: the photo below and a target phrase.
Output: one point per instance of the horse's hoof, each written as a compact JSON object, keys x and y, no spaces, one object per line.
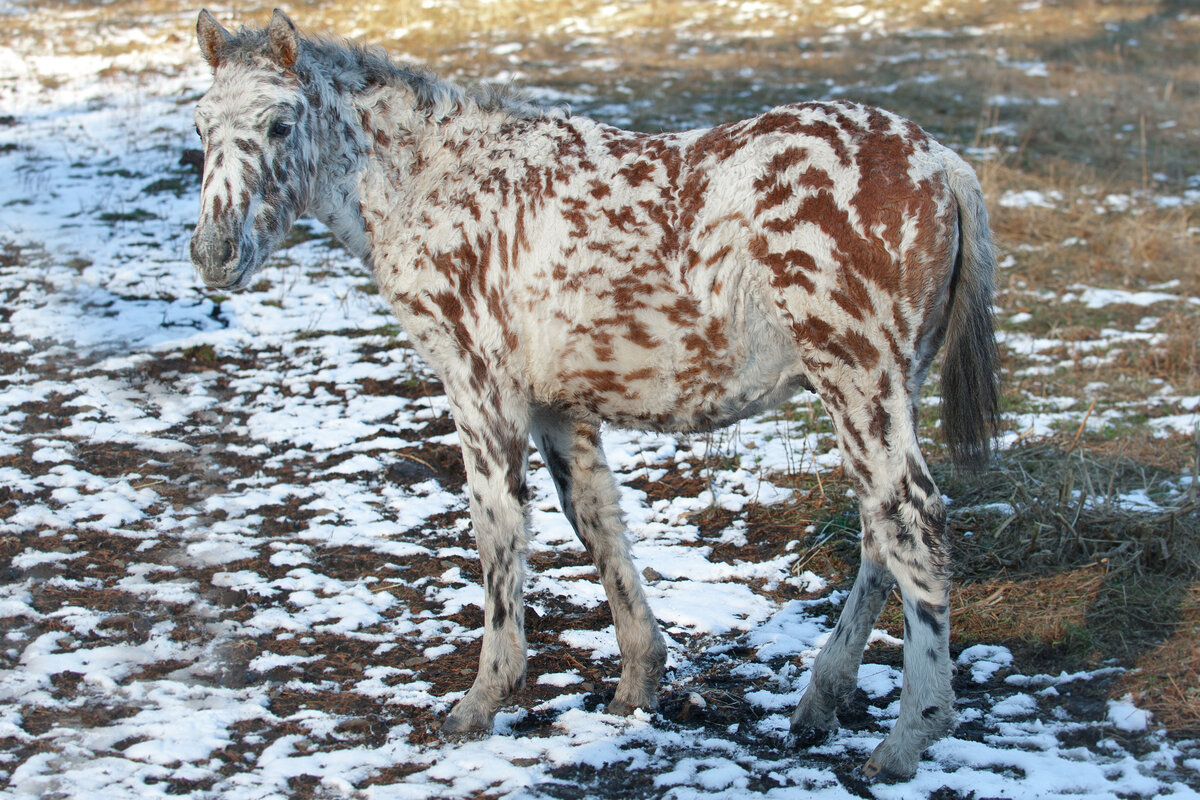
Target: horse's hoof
{"x":810,"y":735}
{"x":456,"y":732}
{"x":460,"y":726}
{"x":815,"y":719}
{"x":451,"y":734}
{"x":877,"y":771}
{"x":621,"y":708}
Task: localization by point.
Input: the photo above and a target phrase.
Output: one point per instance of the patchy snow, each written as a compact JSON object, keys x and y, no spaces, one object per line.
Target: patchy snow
{"x":243,"y":564}
{"x":985,"y":661}
{"x":1030,"y":198}
{"x":1099,"y":298}
{"x":1125,"y":716}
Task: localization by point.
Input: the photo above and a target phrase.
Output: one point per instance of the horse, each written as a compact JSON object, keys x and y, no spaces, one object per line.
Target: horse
{"x":559,"y":274}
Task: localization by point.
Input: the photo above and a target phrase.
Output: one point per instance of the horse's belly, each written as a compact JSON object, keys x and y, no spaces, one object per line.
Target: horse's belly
{"x":635,"y":373}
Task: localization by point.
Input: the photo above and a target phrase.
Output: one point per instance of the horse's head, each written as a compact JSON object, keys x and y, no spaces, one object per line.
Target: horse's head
{"x":259,"y":152}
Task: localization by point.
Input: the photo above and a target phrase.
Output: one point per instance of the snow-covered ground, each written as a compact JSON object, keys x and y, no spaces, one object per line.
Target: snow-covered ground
{"x":240,"y":564}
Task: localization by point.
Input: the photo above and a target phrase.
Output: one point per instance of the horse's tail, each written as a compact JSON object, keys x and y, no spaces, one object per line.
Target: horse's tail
{"x":970,"y":393}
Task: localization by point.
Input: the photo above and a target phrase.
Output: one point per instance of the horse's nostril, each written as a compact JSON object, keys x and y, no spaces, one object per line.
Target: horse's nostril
{"x":213,"y":252}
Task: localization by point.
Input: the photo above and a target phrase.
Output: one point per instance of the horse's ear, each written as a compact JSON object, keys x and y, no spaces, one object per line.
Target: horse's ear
{"x":285,"y":39}
{"x":212,"y":37}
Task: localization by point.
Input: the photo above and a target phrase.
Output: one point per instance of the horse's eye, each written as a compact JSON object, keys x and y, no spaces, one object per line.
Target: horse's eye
{"x":198,"y":133}
{"x":280,"y":129}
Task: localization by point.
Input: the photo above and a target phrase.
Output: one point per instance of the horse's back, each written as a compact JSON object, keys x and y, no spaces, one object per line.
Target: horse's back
{"x":680,"y":280}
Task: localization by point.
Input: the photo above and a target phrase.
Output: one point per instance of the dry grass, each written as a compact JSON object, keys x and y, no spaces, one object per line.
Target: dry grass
{"x":1067,"y":570}
{"x":1055,"y":504}
{"x":1050,"y":611}
{"x":1167,"y":678}
{"x":1082,"y":100}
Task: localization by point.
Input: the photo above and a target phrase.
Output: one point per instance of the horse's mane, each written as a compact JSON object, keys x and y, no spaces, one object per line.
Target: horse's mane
{"x":356,"y":67}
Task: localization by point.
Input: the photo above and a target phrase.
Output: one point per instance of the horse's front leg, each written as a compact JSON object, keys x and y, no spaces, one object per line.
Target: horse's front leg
{"x":495,"y":445}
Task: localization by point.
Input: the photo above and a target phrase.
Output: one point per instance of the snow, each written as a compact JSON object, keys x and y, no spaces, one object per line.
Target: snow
{"x":985,"y":660}
{"x":1030,"y":198}
{"x":1017,"y":705}
{"x":1125,"y":716}
{"x":251,"y":533}
{"x":560,"y":679}
{"x":1099,"y":298}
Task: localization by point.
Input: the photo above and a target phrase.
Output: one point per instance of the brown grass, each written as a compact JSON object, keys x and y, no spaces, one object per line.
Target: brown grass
{"x":1071,"y":106}
{"x":1063,"y":506}
{"x":1065,"y":576}
{"x":1048,"y":611}
{"x":1167,"y":679}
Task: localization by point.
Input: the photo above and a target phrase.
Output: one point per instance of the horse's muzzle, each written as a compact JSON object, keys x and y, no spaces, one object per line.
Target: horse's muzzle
{"x":215,"y":256}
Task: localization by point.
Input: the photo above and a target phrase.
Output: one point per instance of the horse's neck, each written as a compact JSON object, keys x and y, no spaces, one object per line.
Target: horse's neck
{"x":337,"y":207}
{"x":336,"y":197}
{"x":378,"y":136}
{"x":355,"y":131}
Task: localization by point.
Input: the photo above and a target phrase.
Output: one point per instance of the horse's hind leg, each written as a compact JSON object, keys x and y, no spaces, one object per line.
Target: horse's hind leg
{"x":835,"y":673}
{"x":589,"y":498}
{"x":903,"y":539}
{"x":912,"y":537}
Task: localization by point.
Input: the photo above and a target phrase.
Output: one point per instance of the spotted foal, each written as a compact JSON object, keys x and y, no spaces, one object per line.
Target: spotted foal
{"x":559,"y":273}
